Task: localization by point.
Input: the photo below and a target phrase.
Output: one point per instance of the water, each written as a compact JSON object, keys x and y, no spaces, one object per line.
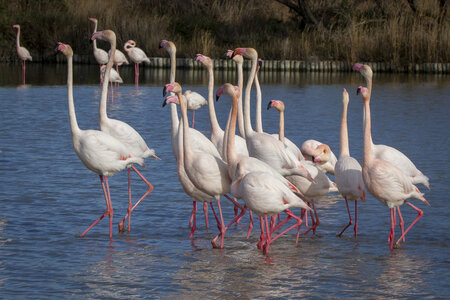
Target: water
{"x":48,"y":197}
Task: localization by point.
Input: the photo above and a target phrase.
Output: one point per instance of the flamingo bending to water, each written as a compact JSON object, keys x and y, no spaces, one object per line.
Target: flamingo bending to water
{"x":97,"y":150}
{"x":121,"y":130}
{"x":23,"y":53}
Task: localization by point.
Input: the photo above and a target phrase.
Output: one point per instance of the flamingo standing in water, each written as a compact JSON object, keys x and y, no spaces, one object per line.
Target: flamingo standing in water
{"x":207,"y":172}
{"x":199,"y":142}
{"x":387,"y":153}
{"x":114,"y":78}
{"x":137,"y":55}
{"x":122,"y":131}
{"x":101,"y":56}
{"x":347,"y":170}
{"x":97,"y":150}
{"x":386,"y":182}
{"x":23,"y":53}
{"x":193,"y":102}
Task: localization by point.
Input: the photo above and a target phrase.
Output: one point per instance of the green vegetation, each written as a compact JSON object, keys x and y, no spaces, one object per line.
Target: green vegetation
{"x":400,"y":32}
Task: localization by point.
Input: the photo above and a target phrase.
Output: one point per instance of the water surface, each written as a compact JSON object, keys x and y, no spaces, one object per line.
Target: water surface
{"x":48,"y":197}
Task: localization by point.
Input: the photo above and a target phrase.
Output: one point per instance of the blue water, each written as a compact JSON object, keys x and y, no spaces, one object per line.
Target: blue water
{"x":48,"y":198}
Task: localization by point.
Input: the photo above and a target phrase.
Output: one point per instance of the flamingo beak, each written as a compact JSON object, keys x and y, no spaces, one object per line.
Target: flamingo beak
{"x":164,"y":103}
{"x":164,"y":91}
{"x":358,"y":91}
{"x":269,"y":105}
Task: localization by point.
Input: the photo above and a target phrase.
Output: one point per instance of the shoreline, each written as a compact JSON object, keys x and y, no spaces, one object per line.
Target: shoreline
{"x":268,"y":65}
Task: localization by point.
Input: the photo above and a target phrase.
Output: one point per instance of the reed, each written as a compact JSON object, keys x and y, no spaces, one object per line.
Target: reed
{"x":378,"y":31}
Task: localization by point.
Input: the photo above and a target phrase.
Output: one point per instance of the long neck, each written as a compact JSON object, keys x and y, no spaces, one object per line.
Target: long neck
{"x":102,"y":109}
{"x":225,"y":138}
{"x":212,"y":111}
{"x":72,"y":116}
{"x":95,"y":41}
{"x":281,"y":129}
{"x":18,"y":38}
{"x":180,"y":158}
{"x":248,"y":88}
{"x":367,"y":134}
{"x":173,"y":106}
{"x":231,"y":153}
{"x":184,"y":117}
{"x":258,"y":117}
{"x":344,"y":149}
{"x":240,"y":111}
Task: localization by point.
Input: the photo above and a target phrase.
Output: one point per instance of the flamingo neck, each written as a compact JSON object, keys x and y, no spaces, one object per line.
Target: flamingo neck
{"x":173,"y":107}
{"x":281,"y":127}
{"x":173,"y":65}
{"x":184,"y":118}
{"x":212,"y":111}
{"x":367,"y":157}
{"x":231,"y":153}
{"x":72,"y":115}
{"x":258,"y":117}
{"x":94,"y":43}
{"x":344,"y":149}
{"x":180,"y":158}
{"x":103,"y":116}
{"x":248,"y":88}
{"x":18,"y":38}
{"x":240,"y":112}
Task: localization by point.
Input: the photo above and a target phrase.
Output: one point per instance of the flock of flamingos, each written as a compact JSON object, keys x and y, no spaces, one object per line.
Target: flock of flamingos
{"x":268,"y":172}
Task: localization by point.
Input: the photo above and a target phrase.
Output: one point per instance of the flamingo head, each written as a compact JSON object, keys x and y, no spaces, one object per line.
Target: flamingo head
{"x":163,"y":44}
{"x":278,"y":104}
{"x":171,"y":87}
{"x":170,"y":99}
{"x":247,"y":53}
{"x":105,"y":35}
{"x":345,"y":98}
{"x":322,"y":153}
{"x":364,"y":92}
{"x":129,"y":44}
{"x":365,"y":70}
{"x":64,"y":48}
{"x":168,"y":45}
{"x":228,"y":54}
{"x":93,"y":20}
{"x":16,"y":26}
{"x":227,"y":89}
{"x":205,"y":60}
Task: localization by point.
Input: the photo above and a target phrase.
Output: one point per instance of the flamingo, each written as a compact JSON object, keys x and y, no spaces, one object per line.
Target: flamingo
{"x":114,"y":77}
{"x":387,"y":153}
{"x":320,"y":184}
{"x":119,"y":59}
{"x":207,"y":172}
{"x":320,"y":154}
{"x":217,"y":134}
{"x":199,"y":142}
{"x":101,"y":56}
{"x":97,"y":150}
{"x":386,"y":182}
{"x":137,"y":56}
{"x":348,"y":170}
{"x":121,"y":130}
{"x":193,"y":101}
{"x":262,"y":145}
{"x":23,"y":53}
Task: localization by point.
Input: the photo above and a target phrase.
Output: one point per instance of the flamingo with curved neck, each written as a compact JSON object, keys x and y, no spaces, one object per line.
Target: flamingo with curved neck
{"x":137,"y":55}
{"x":23,"y":53}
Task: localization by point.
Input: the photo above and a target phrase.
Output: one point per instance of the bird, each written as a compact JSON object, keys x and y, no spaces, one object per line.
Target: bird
{"x":386,"y":182}
{"x":199,"y":141}
{"x":193,"y":101}
{"x":137,"y":55}
{"x":23,"y":53}
{"x":114,"y":77}
{"x":347,"y":171}
{"x":217,"y":133}
{"x":320,"y":154}
{"x":101,"y":56}
{"x":388,"y":153}
{"x":262,"y":145}
{"x":119,"y":59}
{"x":207,"y":172}
{"x":97,"y":150}
{"x":121,"y":130}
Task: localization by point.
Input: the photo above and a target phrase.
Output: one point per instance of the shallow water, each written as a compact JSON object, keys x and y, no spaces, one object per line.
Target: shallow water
{"x":48,"y":197}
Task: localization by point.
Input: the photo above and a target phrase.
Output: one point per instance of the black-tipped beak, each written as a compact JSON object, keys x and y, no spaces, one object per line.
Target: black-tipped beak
{"x":217,"y":98}
{"x":164,"y":92}
{"x":358,"y":91}
{"x":225,"y":54}
{"x":56,"y":48}
{"x":260,"y":63}
{"x":164,"y":103}
{"x":269,"y":105}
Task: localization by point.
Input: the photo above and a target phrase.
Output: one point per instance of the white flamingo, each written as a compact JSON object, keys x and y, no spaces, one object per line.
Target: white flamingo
{"x":320,"y":154}
{"x":387,"y":153}
{"x":101,"y":56}
{"x":23,"y":53}
{"x":97,"y":150}
{"x":137,"y":55}
{"x":114,"y":78}
{"x":347,"y":170}
{"x":207,"y":172}
{"x":121,"y":130}
{"x":386,"y":182}
{"x":199,"y":142}
{"x":193,"y":102}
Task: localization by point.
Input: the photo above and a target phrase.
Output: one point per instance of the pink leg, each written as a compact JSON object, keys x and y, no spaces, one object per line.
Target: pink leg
{"x":214,"y":241}
{"x":215,"y":216}
{"x":250,"y":226}
{"x":23,"y":72}
{"x":150,"y":189}
{"x":194,"y":223}
{"x":223,"y":229}
{"x":109,"y":209}
{"x":205,"y":211}
{"x":349,"y":218}
{"x":262,"y":235}
{"x":194,"y":211}
{"x":419,"y":215}
{"x":193,"y":120}
{"x":355,"y":228}
{"x":392,"y":233}
{"x":402,"y":223}
{"x":268,"y":237}
{"x":316,"y":222}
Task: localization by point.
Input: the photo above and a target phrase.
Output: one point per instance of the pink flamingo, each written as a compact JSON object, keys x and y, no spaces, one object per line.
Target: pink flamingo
{"x":385,"y":181}
{"x":137,"y":56}
{"x":23,"y":53}
{"x":97,"y":150}
{"x":347,"y":170}
{"x":121,"y":130}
